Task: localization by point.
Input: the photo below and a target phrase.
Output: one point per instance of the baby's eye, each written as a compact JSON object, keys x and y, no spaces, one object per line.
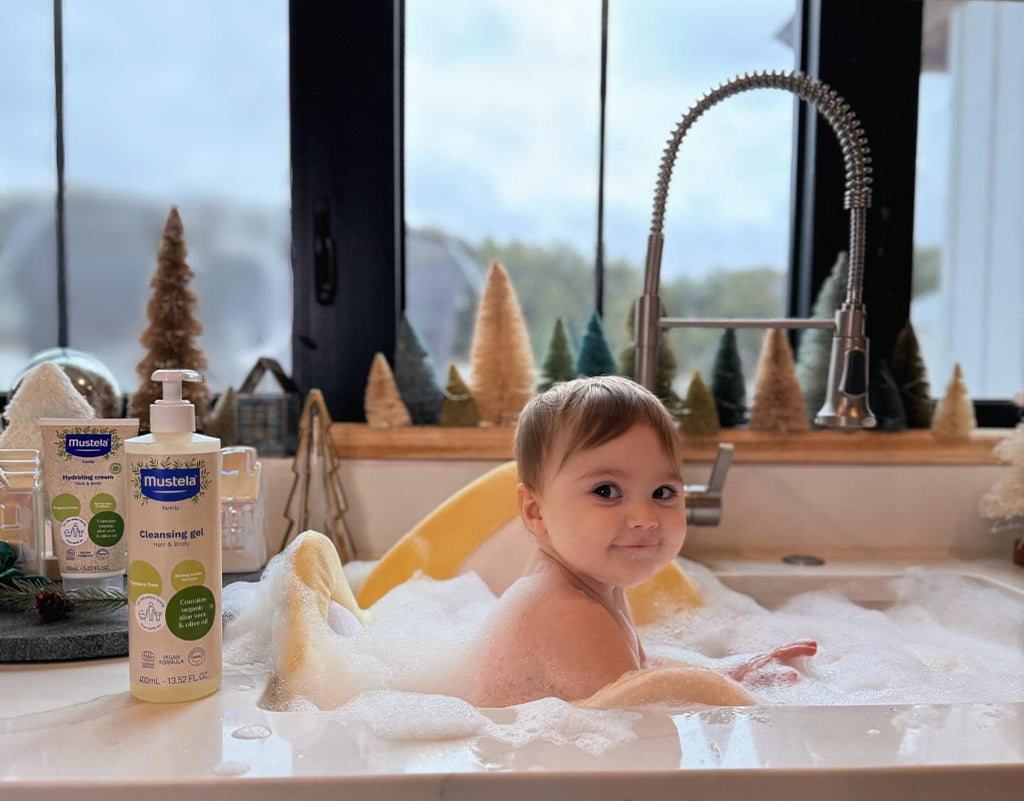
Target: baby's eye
{"x":665,"y":493}
{"x":608,"y":491}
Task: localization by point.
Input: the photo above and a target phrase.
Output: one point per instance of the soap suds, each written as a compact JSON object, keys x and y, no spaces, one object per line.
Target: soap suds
{"x":944,"y":639}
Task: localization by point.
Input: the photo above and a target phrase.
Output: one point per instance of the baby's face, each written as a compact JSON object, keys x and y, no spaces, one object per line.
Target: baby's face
{"x":615,"y":512}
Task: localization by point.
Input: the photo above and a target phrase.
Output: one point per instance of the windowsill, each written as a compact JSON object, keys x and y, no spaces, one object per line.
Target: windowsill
{"x":918,"y":446}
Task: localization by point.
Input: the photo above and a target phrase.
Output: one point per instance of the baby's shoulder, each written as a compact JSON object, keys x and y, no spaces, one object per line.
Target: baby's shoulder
{"x":557,"y":612}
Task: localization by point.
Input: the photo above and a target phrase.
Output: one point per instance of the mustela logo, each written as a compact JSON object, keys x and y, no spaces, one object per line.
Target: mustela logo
{"x":170,"y":485}
{"x":87,"y":446}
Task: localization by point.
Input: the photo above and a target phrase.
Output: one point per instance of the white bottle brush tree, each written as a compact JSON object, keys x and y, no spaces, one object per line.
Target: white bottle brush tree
{"x":954,"y":416}
{"x":1004,"y":502}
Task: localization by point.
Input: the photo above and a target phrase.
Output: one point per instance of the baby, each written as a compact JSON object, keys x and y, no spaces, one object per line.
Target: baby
{"x":602,"y":496}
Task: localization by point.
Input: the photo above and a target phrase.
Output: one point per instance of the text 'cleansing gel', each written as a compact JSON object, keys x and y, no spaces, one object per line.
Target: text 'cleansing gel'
{"x":174,"y":577}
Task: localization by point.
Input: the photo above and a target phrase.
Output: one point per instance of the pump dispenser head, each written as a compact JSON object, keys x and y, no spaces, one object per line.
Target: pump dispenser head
{"x":173,"y":414}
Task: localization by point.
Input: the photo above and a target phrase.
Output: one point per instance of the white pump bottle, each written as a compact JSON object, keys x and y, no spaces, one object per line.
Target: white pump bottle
{"x":174,"y":552}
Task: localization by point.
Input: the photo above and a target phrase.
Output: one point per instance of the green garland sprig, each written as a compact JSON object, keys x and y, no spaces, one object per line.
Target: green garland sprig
{"x":52,"y":602}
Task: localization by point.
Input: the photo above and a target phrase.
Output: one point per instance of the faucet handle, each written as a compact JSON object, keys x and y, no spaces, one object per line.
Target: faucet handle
{"x":704,"y":501}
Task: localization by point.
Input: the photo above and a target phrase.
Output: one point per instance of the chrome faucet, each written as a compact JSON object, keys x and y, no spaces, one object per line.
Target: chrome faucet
{"x":846,"y":400}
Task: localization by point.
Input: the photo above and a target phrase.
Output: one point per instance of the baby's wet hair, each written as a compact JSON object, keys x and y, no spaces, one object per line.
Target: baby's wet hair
{"x":581,"y":414}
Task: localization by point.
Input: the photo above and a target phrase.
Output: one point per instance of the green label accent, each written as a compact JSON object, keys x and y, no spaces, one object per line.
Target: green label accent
{"x":188,"y":574}
{"x":64,"y":506}
{"x":103,"y":503}
{"x":106,"y":529}
{"x":143,"y":578}
{"x":190,"y":613}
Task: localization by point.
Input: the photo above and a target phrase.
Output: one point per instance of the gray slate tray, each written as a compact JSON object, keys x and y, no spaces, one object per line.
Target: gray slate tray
{"x":83,"y":634}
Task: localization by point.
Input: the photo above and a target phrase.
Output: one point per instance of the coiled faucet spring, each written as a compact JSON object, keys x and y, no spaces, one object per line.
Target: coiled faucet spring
{"x":846,"y":402}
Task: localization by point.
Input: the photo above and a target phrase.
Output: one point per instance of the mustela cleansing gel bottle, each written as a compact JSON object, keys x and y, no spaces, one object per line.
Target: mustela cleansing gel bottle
{"x":173,"y":527}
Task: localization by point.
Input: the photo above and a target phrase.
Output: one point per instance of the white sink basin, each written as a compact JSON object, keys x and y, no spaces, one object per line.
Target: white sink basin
{"x":72,"y":729}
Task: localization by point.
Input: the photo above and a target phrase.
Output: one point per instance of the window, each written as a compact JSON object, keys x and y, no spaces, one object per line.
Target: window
{"x":969,"y":245}
{"x":28,"y":185}
{"x":183,"y":105}
{"x":502,"y":105}
{"x":502,"y":109}
{"x":727,"y":220}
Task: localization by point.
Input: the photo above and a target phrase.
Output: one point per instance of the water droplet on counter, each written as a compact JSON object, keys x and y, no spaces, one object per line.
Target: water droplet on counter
{"x":874,"y":731}
{"x":255,"y":732}
{"x":231,"y":769}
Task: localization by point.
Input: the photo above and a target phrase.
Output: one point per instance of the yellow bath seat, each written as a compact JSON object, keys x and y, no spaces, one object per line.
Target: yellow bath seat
{"x":478,"y":528}
{"x":670,"y":685}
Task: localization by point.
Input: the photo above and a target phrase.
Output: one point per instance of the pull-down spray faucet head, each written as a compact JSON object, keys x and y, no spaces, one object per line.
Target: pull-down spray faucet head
{"x":846,"y":396}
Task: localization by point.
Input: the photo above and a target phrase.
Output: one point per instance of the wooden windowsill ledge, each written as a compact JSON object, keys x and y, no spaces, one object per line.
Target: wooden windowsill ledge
{"x":917,"y":446}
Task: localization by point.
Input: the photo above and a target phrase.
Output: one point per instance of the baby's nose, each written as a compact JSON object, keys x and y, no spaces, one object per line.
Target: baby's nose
{"x":642,"y":515}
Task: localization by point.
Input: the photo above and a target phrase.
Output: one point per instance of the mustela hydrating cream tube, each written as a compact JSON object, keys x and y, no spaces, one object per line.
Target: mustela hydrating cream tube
{"x":174,"y":552}
{"x":85,"y":488}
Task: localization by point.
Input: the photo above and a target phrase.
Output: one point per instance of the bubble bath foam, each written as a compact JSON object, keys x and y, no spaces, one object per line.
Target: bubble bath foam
{"x":174,"y":552}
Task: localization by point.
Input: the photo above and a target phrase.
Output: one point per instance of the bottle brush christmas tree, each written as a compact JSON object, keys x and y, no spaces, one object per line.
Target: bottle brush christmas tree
{"x":559,"y":363}
{"x":595,"y":357}
{"x":778,"y":402}
{"x":382,"y":402}
{"x":911,"y":376}
{"x":416,"y":377}
{"x":45,"y":392}
{"x":885,"y":400}
{"x":700,"y":416}
{"x":816,"y":343}
{"x":459,"y":409}
{"x":665,"y":371}
{"x":503,"y":373}
{"x":954,"y":416}
{"x":1004,"y":502}
{"x":170,"y":339}
{"x":727,"y":383}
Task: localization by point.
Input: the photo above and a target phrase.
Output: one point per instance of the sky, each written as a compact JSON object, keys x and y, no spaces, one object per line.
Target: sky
{"x":501,"y":115}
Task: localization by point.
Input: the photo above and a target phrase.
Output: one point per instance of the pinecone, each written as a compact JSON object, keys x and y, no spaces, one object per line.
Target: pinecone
{"x":52,"y":605}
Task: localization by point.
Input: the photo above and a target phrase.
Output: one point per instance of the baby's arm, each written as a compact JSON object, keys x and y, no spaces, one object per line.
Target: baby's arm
{"x":779,"y":666}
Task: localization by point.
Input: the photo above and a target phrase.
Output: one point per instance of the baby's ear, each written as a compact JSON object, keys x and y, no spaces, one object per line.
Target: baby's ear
{"x":529,"y":509}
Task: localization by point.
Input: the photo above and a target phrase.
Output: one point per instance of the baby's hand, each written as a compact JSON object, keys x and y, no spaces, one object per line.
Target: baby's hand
{"x":781,"y":666}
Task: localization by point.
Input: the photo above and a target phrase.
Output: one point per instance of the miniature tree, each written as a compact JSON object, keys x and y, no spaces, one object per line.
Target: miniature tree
{"x":595,"y":357}
{"x":778,"y":402}
{"x":503,"y":373}
{"x":560,"y":362}
{"x":44,"y":392}
{"x":954,"y":416}
{"x":416,"y":377}
{"x":727,"y":384}
{"x":317,"y":500}
{"x":459,"y":408}
{"x":816,"y":343}
{"x":222,"y":421}
{"x":885,"y":400}
{"x":170,"y":339}
{"x":382,"y":402}
{"x":700,"y":416}
{"x":1004,"y":502}
{"x":665,"y":371}
{"x":911,"y":376}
